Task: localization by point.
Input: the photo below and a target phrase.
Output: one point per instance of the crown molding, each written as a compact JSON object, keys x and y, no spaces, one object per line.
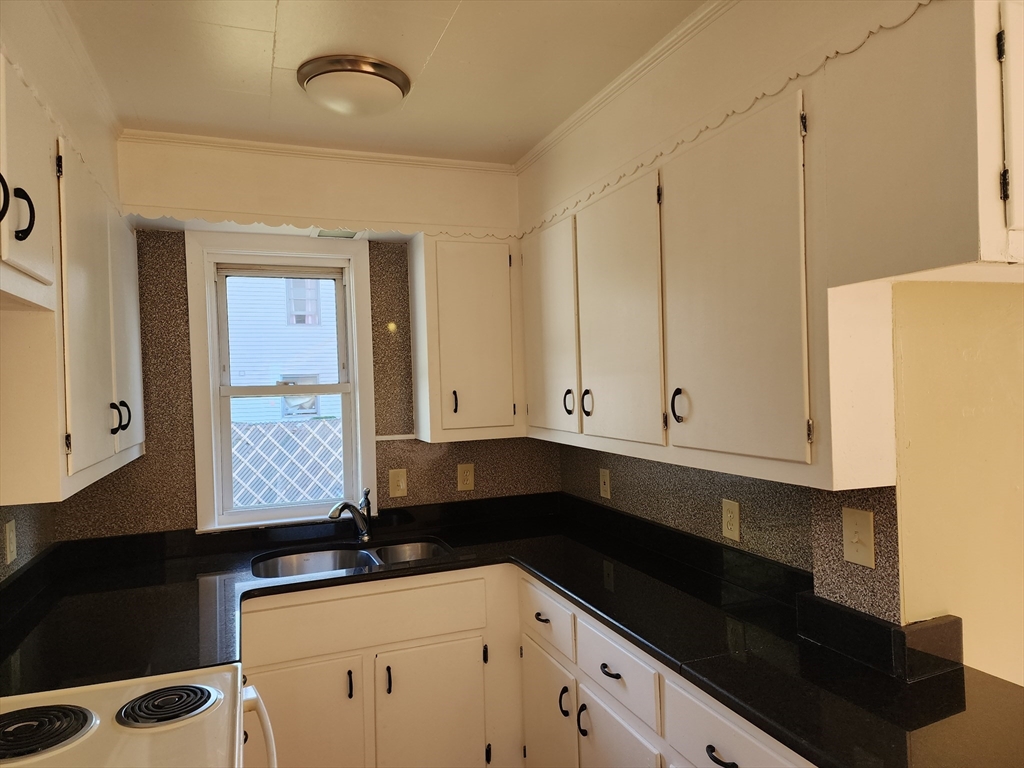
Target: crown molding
{"x":690,"y":26}
{"x":133,"y":136}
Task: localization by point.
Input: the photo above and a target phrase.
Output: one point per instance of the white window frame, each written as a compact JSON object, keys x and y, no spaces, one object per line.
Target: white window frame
{"x":205,"y":252}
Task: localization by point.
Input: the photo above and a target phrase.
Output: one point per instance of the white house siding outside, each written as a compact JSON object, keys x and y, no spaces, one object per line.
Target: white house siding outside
{"x":284,"y":450}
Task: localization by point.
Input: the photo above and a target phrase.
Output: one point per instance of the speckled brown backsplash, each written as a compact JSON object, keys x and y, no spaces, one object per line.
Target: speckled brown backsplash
{"x":34,"y":526}
{"x":392,"y":340}
{"x":791,"y":524}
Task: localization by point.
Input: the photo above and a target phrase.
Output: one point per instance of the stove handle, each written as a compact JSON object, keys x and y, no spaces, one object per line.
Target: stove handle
{"x":251,"y":701}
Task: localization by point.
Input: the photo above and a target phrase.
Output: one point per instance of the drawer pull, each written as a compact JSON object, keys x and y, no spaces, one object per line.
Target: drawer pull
{"x":22,"y":234}
{"x":6,"y":191}
{"x":613,"y":675}
{"x":579,"y":725}
{"x":455,"y":394}
{"x":718,"y":760}
{"x":350,"y":683}
{"x":120,"y":419}
{"x":565,"y":405}
{"x":541,"y":619}
{"x":389,"y":679}
{"x":561,"y":695}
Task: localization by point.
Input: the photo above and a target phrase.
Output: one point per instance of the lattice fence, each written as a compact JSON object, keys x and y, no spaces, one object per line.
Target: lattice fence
{"x":287,"y":462}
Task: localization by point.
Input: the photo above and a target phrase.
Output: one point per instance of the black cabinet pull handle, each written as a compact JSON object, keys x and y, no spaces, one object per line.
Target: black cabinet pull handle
{"x":350,"y":683}
{"x":568,"y":410}
{"x":583,"y":402}
{"x":124,"y":405}
{"x":389,"y":679}
{"x":245,"y":737}
{"x":120,"y":419}
{"x":541,"y":619}
{"x":607,"y":673}
{"x":579,"y":714}
{"x":561,"y":695}
{"x":6,"y":202}
{"x":455,"y":394}
{"x":672,"y":405}
{"x":717,"y":760}
{"x":22,"y":234}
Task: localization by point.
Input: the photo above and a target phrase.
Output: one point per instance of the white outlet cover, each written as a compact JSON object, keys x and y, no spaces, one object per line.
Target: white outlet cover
{"x":10,"y":542}
{"x":465,"y":477}
{"x":397,"y":483}
{"x":859,"y":536}
{"x":606,"y":483}
{"x":731,"y":519}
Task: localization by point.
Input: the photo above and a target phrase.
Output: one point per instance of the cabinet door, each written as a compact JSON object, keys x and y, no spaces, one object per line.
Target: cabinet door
{"x":549,"y":710}
{"x":474,"y":314}
{"x":550,"y":323}
{"x":619,"y":265}
{"x":609,"y":742}
{"x":735,"y":315}
{"x":88,"y":352}
{"x":29,"y":165}
{"x":127,"y":339}
{"x":316,"y":711}
{"x":429,"y":705}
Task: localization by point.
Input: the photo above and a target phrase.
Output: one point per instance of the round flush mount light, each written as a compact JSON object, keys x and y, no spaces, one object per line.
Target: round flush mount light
{"x":354,"y":85}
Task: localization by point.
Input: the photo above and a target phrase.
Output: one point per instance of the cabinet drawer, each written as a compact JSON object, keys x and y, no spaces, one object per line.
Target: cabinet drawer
{"x":619,"y":672}
{"x":543,"y":617}
{"x":342,"y":624}
{"x":691,"y":727}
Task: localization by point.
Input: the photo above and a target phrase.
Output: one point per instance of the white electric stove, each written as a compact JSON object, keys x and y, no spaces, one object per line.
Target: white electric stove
{"x":189,"y":718}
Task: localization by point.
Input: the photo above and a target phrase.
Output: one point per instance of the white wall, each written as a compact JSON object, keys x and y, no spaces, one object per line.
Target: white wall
{"x":39,"y":38}
{"x":959,"y":363}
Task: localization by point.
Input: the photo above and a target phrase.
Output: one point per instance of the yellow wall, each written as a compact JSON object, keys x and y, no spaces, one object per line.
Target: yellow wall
{"x":959,"y":366}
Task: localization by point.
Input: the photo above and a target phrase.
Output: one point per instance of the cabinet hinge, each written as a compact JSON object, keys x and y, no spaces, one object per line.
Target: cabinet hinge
{"x":60,"y":166}
{"x":659,"y":194}
{"x":67,"y":443}
{"x":485,"y":653}
{"x":1001,"y":45}
{"x":810,"y":430}
{"x":803,"y":123}
{"x":664,"y":421}
{"x":487,"y":754}
{"x":1004,"y":185}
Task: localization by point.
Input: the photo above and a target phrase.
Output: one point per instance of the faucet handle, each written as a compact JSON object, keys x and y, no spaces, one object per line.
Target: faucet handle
{"x":364,"y":503}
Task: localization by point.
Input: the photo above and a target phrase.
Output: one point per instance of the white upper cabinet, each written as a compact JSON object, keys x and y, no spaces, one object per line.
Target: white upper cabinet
{"x":29,"y":226}
{"x":127,"y":337}
{"x":466,"y":340}
{"x":92,"y":413}
{"x":474,"y":313}
{"x":550,"y":327}
{"x":735,"y":289}
{"x":619,"y":274}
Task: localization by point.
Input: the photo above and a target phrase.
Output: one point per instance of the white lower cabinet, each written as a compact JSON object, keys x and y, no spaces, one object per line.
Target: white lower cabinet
{"x":549,"y":710}
{"x":430,"y":705}
{"x":606,"y":741}
{"x":316,"y":711}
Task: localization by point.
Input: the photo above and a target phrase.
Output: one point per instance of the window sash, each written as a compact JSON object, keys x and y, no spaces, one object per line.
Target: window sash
{"x":224,"y":477}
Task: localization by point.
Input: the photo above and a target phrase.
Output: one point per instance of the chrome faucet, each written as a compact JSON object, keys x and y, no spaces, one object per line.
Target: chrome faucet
{"x":360,"y":515}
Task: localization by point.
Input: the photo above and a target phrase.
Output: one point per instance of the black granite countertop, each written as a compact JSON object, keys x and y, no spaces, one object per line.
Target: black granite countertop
{"x":104,"y":610}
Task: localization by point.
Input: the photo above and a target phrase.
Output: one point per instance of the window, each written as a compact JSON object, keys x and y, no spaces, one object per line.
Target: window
{"x":283,"y":429}
{"x":303,"y":301}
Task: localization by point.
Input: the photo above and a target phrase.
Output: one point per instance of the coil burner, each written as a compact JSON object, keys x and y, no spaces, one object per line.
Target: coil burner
{"x":166,"y":705}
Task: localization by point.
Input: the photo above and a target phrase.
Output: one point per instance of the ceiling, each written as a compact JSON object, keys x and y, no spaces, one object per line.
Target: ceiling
{"x":490,"y":78}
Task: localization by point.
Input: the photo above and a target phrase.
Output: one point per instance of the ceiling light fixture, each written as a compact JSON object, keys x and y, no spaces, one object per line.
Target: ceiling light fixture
{"x":353,"y":85}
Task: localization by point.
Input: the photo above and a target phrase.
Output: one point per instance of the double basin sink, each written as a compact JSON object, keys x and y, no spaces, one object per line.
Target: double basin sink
{"x":275,"y":566}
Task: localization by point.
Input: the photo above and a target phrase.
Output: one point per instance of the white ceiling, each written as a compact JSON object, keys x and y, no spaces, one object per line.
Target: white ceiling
{"x":490,"y":78}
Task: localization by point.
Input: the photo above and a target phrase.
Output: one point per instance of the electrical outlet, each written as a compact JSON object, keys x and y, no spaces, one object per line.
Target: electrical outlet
{"x":10,"y":542}
{"x":465,"y":477}
{"x":859,"y":536}
{"x":731,"y":519}
{"x":398,"y":484}
{"x":606,"y":483}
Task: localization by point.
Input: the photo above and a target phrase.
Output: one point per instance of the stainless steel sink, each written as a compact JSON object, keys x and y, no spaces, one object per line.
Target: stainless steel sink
{"x":314,"y":562}
{"x":352,"y":560}
{"x":416,"y":550}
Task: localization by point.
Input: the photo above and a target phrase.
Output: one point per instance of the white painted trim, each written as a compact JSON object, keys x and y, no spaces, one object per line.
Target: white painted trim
{"x":678,"y":37}
{"x":390,"y":438}
{"x":133,"y":136}
{"x":203,"y":252}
